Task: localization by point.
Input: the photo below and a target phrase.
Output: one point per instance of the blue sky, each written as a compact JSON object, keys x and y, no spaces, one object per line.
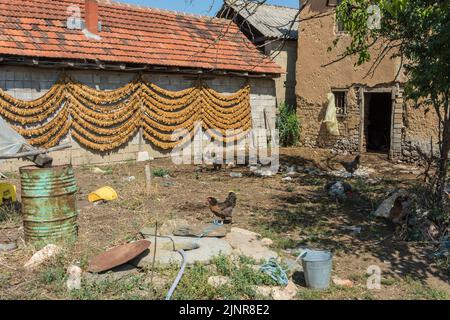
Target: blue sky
{"x":198,"y":6}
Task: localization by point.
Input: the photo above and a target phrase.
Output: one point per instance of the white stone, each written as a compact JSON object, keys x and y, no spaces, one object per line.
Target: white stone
{"x":73,"y":282}
{"x":43,"y":255}
{"x":218,"y":281}
{"x":285,"y":293}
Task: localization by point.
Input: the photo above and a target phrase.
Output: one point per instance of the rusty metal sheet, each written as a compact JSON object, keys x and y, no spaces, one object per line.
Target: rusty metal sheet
{"x":117,"y":256}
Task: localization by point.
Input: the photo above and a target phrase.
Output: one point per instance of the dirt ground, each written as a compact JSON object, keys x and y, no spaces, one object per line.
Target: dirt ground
{"x":292,"y":213}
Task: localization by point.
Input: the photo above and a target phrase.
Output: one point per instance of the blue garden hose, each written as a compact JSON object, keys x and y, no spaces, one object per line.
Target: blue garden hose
{"x":179,"y":276}
{"x":275,"y":271}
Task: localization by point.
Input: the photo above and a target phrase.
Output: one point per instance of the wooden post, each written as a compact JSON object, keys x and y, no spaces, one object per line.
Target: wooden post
{"x":148,"y":178}
{"x":361,"y":125}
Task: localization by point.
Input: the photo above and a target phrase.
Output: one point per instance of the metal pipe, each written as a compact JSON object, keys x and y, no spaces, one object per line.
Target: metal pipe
{"x":36,"y":152}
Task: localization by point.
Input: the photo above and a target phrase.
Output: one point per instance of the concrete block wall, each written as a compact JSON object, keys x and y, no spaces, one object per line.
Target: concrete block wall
{"x":31,"y":83}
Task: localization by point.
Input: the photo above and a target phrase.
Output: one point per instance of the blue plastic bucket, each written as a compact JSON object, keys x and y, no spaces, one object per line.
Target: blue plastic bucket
{"x":317,"y":268}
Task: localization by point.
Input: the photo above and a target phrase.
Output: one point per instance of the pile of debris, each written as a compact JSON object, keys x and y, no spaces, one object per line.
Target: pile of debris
{"x":415,"y":223}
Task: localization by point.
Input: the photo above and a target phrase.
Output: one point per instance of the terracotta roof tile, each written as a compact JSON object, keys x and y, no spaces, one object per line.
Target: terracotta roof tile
{"x":130,"y":34}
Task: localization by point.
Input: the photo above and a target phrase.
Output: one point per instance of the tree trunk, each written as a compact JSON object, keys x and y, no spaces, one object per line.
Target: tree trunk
{"x":443,"y":162}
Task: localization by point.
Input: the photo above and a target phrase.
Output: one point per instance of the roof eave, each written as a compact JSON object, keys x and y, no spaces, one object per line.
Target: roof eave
{"x":43,"y":62}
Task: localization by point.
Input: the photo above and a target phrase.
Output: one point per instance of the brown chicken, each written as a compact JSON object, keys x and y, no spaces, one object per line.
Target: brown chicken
{"x":223,"y":210}
{"x":351,"y":167}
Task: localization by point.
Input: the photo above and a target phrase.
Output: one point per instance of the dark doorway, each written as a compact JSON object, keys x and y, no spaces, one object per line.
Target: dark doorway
{"x":378,"y":121}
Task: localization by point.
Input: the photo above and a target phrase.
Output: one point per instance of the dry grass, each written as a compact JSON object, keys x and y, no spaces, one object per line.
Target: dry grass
{"x":293,"y":214}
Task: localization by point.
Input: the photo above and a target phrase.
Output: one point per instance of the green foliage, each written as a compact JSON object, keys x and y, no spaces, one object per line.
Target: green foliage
{"x":288,"y":125}
{"x":160,"y":172}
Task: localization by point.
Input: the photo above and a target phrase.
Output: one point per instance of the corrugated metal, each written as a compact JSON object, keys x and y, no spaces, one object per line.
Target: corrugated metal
{"x":272,"y":21}
{"x":48,"y":203}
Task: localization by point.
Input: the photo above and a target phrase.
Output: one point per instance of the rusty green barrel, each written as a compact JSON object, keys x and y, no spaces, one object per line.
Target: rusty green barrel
{"x":48,"y":203}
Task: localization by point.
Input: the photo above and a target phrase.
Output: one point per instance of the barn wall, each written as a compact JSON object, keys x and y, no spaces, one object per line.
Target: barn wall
{"x":285,"y":55}
{"x":31,"y":83}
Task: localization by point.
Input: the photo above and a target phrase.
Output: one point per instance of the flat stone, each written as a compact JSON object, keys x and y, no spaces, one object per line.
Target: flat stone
{"x":246,"y":243}
{"x":218,"y":281}
{"x":205,"y":230}
{"x":115,"y":274}
{"x":166,"y":228}
{"x":201,"y":250}
{"x":285,"y":293}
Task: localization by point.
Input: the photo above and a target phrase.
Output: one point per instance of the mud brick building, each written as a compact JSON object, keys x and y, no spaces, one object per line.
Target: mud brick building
{"x":373,"y":114}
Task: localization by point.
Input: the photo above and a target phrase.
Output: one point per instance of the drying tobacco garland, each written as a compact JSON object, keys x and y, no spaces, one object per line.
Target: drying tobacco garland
{"x":106,"y":120}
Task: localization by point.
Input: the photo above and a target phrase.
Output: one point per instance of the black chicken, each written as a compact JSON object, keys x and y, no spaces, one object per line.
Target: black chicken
{"x":351,"y":167}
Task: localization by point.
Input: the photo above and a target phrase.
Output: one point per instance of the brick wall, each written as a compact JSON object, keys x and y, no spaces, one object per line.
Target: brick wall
{"x":31,"y":83}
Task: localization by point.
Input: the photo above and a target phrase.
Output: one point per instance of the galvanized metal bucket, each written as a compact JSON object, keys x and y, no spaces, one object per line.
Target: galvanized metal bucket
{"x":317,"y":267}
{"x":48,"y":203}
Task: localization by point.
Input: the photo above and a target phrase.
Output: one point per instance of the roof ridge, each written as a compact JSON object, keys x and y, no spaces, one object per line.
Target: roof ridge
{"x":264,"y":4}
{"x":148,"y":8}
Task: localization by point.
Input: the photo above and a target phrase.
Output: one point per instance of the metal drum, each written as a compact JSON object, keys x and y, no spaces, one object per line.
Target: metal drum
{"x":48,"y":203}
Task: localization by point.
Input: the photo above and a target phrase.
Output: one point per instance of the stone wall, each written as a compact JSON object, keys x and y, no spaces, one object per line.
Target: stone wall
{"x":285,"y":53}
{"x":31,"y":83}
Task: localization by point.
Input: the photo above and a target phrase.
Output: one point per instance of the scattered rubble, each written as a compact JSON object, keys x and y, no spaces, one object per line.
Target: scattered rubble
{"x":43,"y":255}
{"x":339,"y":189}
{"x":395,"y":207}
{"x":361,"y":172}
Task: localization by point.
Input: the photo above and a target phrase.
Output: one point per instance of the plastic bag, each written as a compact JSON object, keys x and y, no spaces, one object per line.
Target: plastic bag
{"x":10,"y":141}
{"x":330,"y":117}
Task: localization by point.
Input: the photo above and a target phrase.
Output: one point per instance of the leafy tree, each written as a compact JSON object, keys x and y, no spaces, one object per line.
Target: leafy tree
{"x":417,"y":31}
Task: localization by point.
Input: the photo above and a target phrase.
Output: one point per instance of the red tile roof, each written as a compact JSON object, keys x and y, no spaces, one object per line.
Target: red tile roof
{"x":130,"y":34}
